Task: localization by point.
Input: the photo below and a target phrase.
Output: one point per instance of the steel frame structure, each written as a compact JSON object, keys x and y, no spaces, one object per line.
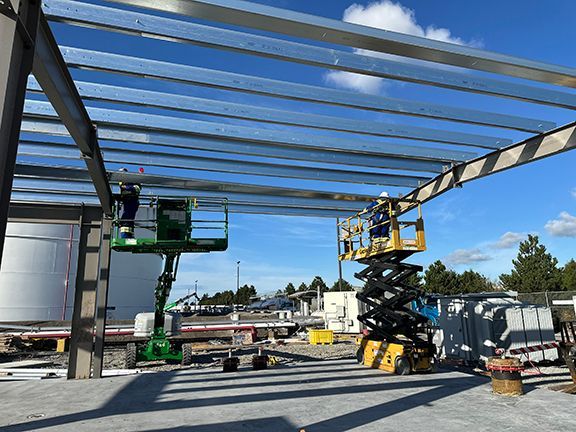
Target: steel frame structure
{"x":169,"y":130}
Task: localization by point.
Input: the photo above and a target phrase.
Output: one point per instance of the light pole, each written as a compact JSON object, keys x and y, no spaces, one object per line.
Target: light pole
{"x":196,"y":288}
{"x":237,"y":276}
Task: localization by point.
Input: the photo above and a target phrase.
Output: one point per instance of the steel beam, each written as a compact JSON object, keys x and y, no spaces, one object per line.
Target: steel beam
{"x":192,"y":184}
{"x":82,"y":339}
{"x":18,"y":28}
{"x":53,"y":76}
{"x":180,"y":31}
{"x":137,"y":97}
{"x":45,"y":213}
{"x":102,"y":298}
{"x":95,"y":60}
{"x":85,"y":188}
{"x":226,"y":165}
{"x":529,"y":150}
{"x":187,"y":141}
{"x":37,"y":109}
{"x":263,"y":17}
{"x":71,"y":197}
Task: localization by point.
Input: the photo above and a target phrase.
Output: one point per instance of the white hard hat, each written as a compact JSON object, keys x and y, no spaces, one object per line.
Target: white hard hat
{"x":384,"y":194}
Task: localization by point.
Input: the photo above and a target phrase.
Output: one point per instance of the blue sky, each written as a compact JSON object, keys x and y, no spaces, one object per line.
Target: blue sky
{"x":476,"y":227}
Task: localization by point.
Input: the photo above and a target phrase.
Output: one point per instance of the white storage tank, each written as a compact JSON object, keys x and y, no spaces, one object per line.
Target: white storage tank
{"x":38,"y":275}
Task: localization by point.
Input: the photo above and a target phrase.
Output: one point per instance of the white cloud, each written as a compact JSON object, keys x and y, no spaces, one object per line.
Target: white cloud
{"x":509,"y":240}
{"x":564,"y":226}
{"x":573,"y":192}
{"x":466,"y":256}
{"x":362,"y":83}
{"x":386,"y":15}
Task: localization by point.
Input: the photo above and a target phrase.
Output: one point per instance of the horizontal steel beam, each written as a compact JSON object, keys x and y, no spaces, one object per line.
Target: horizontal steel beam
{"x":101,"y":92}
{"x":268,"y":18}
{"x":181,"y":31}
{"x":211,"y":186}
{"x":70,"y":198}
{"x":96,"y":60}
{"x":85,"y":188}
{"x":201,"y":163}
{"x":53,"y":76}
{"x":529,"y":150}
{"x":187,"y":141}
{"x":47,"y":213}
{"x":37,"y":109}
{"x":36,"y":192}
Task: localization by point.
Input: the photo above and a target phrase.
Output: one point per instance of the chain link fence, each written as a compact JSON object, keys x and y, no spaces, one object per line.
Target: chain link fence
{"x":546,"y":298}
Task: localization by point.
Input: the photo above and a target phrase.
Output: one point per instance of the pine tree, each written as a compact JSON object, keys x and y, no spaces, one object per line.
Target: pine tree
{"x":303,"y":287}
{"x":569,"y":276}
{"x":289,"y":289}
{"x":415,"y":281}
{"x":318,"y":283}
{"x":534,"y":269}
{"x":439,"y":280}
{"x":474,"y":282}
{"x":346,"y":286}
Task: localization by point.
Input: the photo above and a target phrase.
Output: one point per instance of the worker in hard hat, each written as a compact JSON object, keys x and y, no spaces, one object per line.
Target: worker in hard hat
{"x":129,"y":199}
{"x":379,"y":229}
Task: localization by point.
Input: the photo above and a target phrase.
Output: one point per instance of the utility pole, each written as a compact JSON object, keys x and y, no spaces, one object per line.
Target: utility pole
{"x":237,"y":276}
{"x":339,"y":252}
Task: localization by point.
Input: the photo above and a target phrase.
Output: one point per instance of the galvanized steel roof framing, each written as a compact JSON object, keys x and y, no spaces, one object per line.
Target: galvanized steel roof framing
{"x":173,"y":142}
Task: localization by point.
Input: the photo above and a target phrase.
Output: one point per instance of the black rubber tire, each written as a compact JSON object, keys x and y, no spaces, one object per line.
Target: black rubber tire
{"x":360,"y":356}
{"x":402,"y":366}
{"x":130,"y":358}
{"x":186,"y":354}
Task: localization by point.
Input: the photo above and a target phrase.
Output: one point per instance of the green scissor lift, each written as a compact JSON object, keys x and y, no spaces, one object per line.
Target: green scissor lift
{"x":178,"y":225}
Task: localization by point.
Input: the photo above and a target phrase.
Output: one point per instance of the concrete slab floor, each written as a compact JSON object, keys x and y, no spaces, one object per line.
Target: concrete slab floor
{"x":314,"y":396}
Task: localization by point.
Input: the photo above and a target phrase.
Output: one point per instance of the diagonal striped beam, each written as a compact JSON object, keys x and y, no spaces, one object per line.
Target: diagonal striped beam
{"x":530,"y":150}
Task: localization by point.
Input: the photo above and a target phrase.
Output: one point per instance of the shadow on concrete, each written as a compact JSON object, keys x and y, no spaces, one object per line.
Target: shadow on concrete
{"x":271,"y":424}
{"x":144,"y":394}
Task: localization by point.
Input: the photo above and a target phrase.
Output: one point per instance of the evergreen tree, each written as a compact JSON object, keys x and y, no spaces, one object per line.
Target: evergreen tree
{"x":415,"y":281}
{"x":244,"y":293}
{"x":346,"y":286}
{"x":318,"y":283}
{"x":569,"y":276}
{"x":303,"y":287}
{"x":289,"y":289}
{"x":534,"y":269}
{"x":474,"y":282}
{"x":438,"y":279}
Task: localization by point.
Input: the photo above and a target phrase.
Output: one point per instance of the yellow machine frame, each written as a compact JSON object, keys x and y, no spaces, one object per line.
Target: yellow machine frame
{"x":398,"y":358}
{"x":354,"y":233}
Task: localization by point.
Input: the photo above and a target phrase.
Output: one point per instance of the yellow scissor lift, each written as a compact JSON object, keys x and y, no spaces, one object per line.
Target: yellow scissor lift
{"x":398,"y":340}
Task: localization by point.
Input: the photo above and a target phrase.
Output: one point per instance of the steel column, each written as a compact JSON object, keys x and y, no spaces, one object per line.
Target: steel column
{"x":18,"y":29}
{"x":102,"y":297}
{"x":82,"y":338}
